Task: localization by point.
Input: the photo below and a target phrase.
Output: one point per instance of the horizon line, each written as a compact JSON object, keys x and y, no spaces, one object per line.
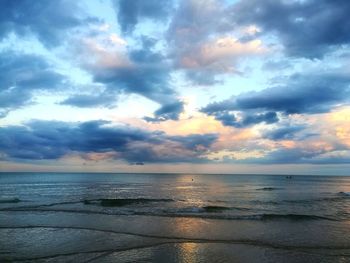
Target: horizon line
{"x":176,"y":173}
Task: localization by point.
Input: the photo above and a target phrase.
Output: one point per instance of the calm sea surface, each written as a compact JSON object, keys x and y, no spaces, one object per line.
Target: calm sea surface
{"x":174,"y":218}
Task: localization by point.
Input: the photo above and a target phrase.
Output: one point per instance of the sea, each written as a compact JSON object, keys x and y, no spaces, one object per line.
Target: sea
{"x":107,"y":217}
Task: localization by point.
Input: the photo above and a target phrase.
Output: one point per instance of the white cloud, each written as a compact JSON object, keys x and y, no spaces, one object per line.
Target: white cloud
{"x":221,"y":53}
{"x":115,"y":39}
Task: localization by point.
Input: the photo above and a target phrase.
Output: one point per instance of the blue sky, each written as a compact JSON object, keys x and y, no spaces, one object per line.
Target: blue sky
{"x":175,"y":86}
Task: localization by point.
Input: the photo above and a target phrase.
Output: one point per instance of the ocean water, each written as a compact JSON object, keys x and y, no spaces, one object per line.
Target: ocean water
{"x":173,"y":218}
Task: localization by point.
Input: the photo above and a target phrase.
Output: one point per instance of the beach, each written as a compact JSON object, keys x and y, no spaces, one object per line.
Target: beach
{"x":173,"y":218}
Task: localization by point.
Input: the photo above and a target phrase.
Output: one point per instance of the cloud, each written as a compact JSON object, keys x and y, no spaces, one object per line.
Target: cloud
{"x":167,"y":112}
{"x":186,"y":26}
{"x":308,"y":28}
{"x":245,"y":120}
{"x":337,"y":123}
{"x":314,"y":152}
{"x":302,"y":155}
{"x":52,"y":140}
{"x":302,"y":94}
{"x":13,"y":98}
{"x":130,"y":13}
{"x":277,"y":66}
{"x":143,"y":71}
{"x":99,"y":140}
{"x":103,"y":99}
{"x":288,"y":132}
{"x":196,"y":142}
{"x":202,"y":77}
{"x":204,"y":53}
{"x":204,"y":61}
{"x":291,"y":155}
{"x":100,"y":52}
{"x":49,"y":21}
{"x":21,"y":75}
{"x":217,"y":52}
{"x":27,"y":71}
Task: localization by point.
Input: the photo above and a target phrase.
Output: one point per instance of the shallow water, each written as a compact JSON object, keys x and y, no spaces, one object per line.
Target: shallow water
{"x":153,"y":217}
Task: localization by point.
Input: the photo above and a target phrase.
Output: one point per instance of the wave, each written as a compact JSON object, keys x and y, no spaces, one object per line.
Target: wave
{"x":250,"y":217}
{"x":123,"y":201}
{"x":219,"y":209}
{"x":216,"y":201}
{"x":294,"y":217}
{"x":339,"y":197}
{"x":10,"y":200}
{"x":39,"y":205}
{"x":102,"y":202}
{"x":195,"y":213}
{"x":215,"y":209}
{"x":324,"y":199}
{"x":268,"y":189}
{"x":269,"y":202}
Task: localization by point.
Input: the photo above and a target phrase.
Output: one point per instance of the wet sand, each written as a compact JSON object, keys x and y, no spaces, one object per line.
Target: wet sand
{"x":63,"y":237}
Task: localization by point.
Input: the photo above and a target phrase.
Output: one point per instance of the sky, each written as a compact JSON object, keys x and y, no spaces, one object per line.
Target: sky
{"x":194,"y":86}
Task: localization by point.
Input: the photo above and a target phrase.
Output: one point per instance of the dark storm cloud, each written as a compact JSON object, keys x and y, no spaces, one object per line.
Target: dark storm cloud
{"x":150,"y":81}
{"x":167,"y":112}
{"x":105,"y":99}
{"x":53,"y":139}
{"x":146,"y":54}
{"x":230,"y":119}
{"x":148,"y":75}
{"x":13,"y":98}
{"x":49,"y":21}
{"x":129,"y":13}
{"x":289,"y":132}
{"x":195,"y":142}
{"x":309,"y":94}
{"x":306,"y":28}
{"x":172,"y":149}
{"x":26,"y":71}
{"x":21,"y":75}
